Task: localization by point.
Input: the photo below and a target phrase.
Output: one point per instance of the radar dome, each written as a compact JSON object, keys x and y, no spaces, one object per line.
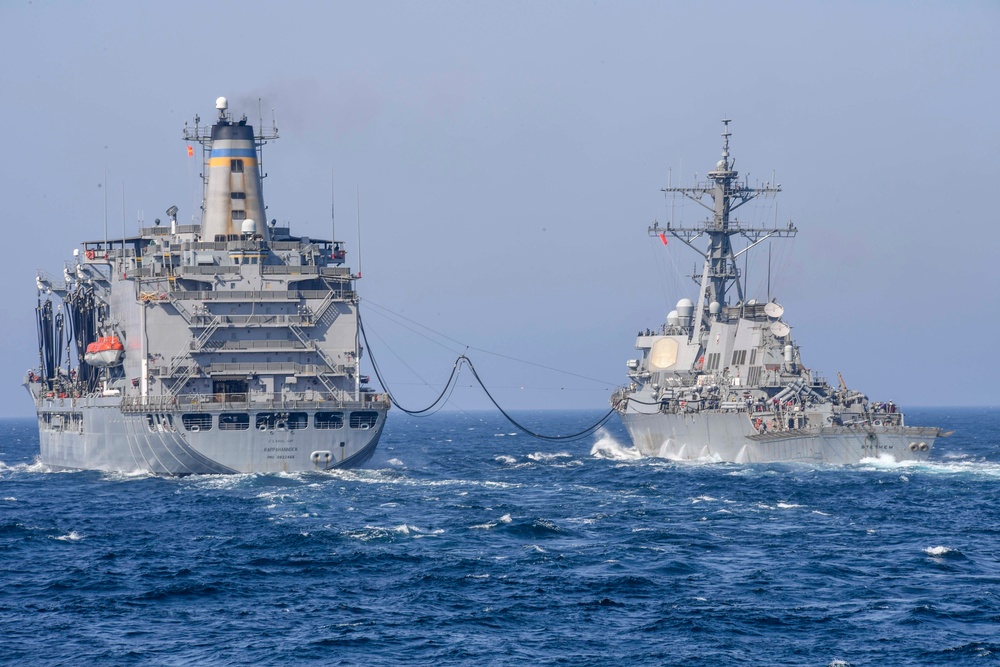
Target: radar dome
{"x":684,"y":311}
{"x":672,"y":318}
{"x":221,"y":104}
{"x":714,"y":307}
{"x":249,"y":227}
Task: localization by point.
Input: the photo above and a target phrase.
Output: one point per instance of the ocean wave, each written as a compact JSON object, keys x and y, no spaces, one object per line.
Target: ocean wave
{"x":951,"y":466}
{"x":549,"y":456}
{"x":506,"y":518}
{"x":388,"y":533}
{"x":71,"y":536}
{"x":35,"y":466}
{"x":607,"y":447}
{"x":942,"y":552}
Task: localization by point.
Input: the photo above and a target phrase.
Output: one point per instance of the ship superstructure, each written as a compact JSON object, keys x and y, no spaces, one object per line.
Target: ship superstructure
{"x":220,"y":347}
{"x":723,"y":378}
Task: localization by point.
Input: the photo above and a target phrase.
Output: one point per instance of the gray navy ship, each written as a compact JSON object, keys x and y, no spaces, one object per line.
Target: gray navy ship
{"x":229,"y":346}
{"x":723,"y":379}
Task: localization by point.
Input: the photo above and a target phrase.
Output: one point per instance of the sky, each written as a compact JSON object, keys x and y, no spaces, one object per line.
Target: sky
{"x":494,"y":166}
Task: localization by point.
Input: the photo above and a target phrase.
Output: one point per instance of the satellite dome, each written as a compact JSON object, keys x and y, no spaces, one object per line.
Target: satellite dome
{"x":249,"y":227}
{"x":714,"y":307}
{"x":221,"y":104}
{"x":672,"y":318}
{"x":684,"y":311}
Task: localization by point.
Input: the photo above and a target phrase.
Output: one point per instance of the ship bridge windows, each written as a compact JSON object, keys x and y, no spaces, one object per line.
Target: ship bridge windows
{"x":239,"y":215}
{"x":238,"y":195}
{"x":197,"y":421}
{"x":329,"y":420}
{"x":236,"y":166}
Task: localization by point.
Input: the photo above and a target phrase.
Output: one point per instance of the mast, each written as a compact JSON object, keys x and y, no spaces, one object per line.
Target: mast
{"x":722,"y":194}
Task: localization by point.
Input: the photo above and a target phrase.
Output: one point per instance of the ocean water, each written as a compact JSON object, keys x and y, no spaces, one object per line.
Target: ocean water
{"x":465,"y":543}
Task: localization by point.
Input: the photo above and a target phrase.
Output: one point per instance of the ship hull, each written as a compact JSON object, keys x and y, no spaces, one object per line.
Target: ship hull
{"x":96,"y":434}
{"x":730,"y":437}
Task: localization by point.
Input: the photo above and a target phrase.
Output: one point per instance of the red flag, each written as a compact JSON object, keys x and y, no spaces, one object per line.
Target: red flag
{"x":190,"y":151}
{"x":663,"y":237}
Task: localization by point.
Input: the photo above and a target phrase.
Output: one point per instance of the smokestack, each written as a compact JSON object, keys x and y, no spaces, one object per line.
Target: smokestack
{"x":234,"y":192}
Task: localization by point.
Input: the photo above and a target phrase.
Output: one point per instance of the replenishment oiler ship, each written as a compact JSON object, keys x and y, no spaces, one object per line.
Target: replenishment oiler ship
{"x":723,"y":379}
{"x":229,"y":346}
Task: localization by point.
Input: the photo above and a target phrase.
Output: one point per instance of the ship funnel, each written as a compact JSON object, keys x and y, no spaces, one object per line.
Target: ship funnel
{"x":233,"y":190}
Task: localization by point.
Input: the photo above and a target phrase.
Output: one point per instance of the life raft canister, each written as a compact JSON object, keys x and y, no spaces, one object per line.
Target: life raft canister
{"x":105,"y":351}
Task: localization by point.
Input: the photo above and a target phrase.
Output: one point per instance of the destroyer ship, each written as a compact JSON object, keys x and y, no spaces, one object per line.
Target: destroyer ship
{"x":723,"y":379}
{"x":229,"y":346}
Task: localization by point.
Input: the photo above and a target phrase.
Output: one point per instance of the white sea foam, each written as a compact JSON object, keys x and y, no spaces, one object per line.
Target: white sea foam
{"x":506,"y":518}
{"x":11,"y":499}
{"x":506,"y":460}
{"x":788,"y":506}
{"x":33,"y":467}
{"x":938,"y":551}
{"x":703,"y":499}
{"x":395,"y":462}
{"x":125,"y":475}
{"x":547,"y":456}
{"x":71,"y":536}
{"x":607,"y":447}
{"x":393,"y":476}
{"x":369,"y":533}
{"x":947,"y":466}
{"x":882,"y":461}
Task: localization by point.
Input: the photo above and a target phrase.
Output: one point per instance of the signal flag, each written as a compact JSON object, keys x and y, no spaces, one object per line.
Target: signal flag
{"x":663,"y":237}
{"x":190,"y":151}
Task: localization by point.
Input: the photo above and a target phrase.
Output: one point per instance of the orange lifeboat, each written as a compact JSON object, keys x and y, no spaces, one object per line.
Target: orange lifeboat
{"x":106,"y":351}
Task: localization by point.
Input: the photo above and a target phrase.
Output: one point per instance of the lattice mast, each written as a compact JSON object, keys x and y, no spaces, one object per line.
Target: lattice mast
{"x":726,"y":193}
